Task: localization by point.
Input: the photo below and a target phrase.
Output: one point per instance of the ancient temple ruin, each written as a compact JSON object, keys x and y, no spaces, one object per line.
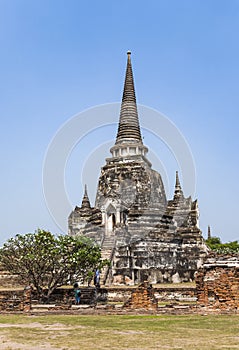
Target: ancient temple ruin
{"x":217,"y":282}
{"x":144,"y":235}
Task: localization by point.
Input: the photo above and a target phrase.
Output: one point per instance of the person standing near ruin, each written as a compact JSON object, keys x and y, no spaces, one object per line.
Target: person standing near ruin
{"x":97,"y":278}
{"x":77,"y":293}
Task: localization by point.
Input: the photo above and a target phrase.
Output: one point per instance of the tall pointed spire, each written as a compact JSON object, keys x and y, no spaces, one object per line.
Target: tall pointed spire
{"x":178,"y":192}
{"x":85,"y":201}
{"x":209,"y":232}
{"x":128,"y":129}
{"x":129,"y":141}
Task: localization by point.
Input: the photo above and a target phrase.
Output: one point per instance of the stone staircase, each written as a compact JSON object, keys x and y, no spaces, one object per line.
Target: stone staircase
{"x":107,"y":252}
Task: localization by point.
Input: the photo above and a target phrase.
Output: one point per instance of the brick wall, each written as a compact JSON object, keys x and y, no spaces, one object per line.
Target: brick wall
{"x":217,"y":282}
{"x":15,"y":300}
{"x":142,"y":298}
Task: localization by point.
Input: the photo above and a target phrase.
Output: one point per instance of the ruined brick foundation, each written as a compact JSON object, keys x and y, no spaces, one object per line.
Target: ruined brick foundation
{"x":217,"y":282}
{"x":142,"y":298}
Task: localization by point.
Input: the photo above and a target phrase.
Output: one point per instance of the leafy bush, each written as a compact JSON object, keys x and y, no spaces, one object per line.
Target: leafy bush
{"x":215,"y":244}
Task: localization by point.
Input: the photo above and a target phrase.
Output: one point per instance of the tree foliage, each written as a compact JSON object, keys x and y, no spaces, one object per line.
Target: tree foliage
{"x":48,"y":262}
{"x":215,"y":244}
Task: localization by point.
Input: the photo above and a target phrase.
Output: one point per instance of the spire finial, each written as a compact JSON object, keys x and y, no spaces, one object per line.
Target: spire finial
{"x":178,"y":189}
{"x":177,"y":180}
{"x":85,"y":200}
{"x":209,"y":232}
{"x":129,"y":129}
{"x":85,"y":193}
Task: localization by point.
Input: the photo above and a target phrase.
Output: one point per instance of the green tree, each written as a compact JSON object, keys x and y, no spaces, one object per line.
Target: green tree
{"x":213,"y":241}
{"x":215,"y":244}
{"x":48,"y":262}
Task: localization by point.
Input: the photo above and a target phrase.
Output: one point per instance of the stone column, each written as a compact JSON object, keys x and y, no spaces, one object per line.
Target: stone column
{"x":103,"y":216}
{"x":27,"y":299}
{"x":117,"y":215}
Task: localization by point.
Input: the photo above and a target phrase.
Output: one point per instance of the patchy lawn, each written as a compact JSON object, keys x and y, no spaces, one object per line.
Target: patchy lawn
{"x":68,"y":332}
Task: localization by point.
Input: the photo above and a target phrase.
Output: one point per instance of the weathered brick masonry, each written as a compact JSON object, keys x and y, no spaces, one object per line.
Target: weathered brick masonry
{"x":217,"y":282}
{"x":142,"y":298}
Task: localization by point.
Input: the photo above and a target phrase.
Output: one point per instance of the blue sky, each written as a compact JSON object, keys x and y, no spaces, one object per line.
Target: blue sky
{"x":59,"y":58}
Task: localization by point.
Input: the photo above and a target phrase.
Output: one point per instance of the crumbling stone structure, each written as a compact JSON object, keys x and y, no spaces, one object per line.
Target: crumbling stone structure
{"x":142,"y":298}
{"x":144,"y":235}
{"x":14,"y":301}
{"x":217,"y":282}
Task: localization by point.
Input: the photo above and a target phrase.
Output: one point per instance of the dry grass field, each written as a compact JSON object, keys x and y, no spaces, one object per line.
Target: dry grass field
{"x":68,"y":332}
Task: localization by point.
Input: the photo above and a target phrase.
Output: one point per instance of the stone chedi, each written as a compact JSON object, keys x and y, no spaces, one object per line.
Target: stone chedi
{"x":144,"y":235}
